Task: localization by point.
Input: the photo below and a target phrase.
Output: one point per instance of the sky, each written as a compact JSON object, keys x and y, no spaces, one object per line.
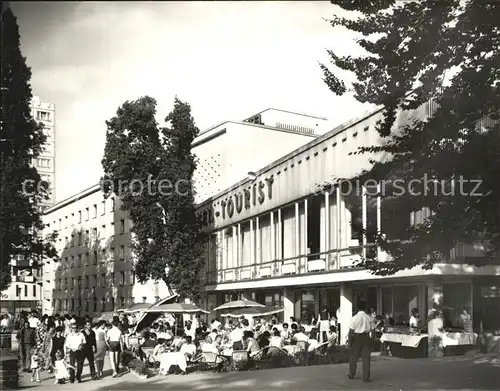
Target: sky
{"x":229,"y":60}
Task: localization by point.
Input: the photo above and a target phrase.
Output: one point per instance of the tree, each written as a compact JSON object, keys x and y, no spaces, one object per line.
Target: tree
{"x":416,"y":52}
{"x":21,"y":140}
{"x":151,"y":168}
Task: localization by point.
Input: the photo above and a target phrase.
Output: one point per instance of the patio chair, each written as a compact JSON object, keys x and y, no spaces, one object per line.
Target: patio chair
{"x":149,"y":358}
{"x":240,"y":360}
{"x":207,"y":361}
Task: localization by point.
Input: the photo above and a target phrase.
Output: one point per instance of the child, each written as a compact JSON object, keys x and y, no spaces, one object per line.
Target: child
{"x":35,"y":372}
{"x":61,"y":368}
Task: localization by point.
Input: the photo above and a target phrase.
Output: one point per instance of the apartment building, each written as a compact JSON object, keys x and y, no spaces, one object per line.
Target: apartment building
{"x":45,"y":113}
{"x":25,"y":292}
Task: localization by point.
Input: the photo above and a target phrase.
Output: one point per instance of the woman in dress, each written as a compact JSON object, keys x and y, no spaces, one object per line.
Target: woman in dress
{"x":47,"y":347}
{"x":41,"y":333}
{"x":100,"y":336}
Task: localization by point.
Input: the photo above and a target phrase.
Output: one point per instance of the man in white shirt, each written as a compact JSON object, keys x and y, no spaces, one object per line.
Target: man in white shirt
{"x":215,"y":324}
{"x":301,"y":335}
{"x":236,"y":334}
{"x":33,"y":321}
{"x":360,"y":340}
{"x":75,"y":341}
{"x":188,"y":348}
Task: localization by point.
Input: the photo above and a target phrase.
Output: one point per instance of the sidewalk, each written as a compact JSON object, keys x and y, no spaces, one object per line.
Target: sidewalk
{"x":471,"y":373}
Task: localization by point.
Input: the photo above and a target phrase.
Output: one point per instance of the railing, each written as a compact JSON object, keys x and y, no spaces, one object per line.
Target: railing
{"x":463,"y":251}
{"x":338,"y":259}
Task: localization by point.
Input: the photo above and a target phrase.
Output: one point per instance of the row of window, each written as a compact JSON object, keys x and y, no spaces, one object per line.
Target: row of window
{"x":84,"y":238}
{"x":84,"y":215}
{"x":93,"y":258}
{"x":19,"y":290}
{"x":85,"y":306}
{"x":96,"y":280}
{"x":42,"y":163}
{"x":43,"y":116}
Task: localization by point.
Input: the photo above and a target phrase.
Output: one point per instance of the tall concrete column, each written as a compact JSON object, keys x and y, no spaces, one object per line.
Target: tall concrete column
{"x":346,"y":305}
{"x":435,"y":318}
{"x":288,"y":303}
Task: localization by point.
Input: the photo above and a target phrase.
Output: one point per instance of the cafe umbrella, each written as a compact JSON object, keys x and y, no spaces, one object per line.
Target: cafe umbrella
{"x":252,"y":311}
{"x":176,"y":308}
{"x":138,"y":307}
{"x":236,"y":304}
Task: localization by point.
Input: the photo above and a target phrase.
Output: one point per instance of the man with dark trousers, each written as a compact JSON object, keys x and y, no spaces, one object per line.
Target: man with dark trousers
{"x":90,"y":346}
{"x":74,"y":344}
{"x":27,"y":340}
{"x":360,"y":340}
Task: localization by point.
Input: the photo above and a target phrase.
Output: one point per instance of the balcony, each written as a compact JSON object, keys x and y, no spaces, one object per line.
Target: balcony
{"x":332,"y":260}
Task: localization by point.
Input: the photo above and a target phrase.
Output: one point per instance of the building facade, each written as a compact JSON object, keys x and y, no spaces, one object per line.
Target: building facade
{"x":25,"y":292}
{"x":289,"y":237}
{"x":45,"y":113}
{"x":95,"y":270}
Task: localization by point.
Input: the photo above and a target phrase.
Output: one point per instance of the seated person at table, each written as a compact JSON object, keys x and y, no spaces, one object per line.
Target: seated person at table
{"x":162,"y":347}
{"x":277,"y":340}
{"x":264,"y":339}
{"x":414,"y":321}
{"x":300,"y":336}
{"x":188,"y":348}
{"x":285,"y":332}
{"x":177,"y":342}
{"x":294,"y":329}
{"x":212,"y":346}
{"x":252,"y":345}
{"x":331,"y":336}
{"x":313,"y":341}
{"x":146,"y":341}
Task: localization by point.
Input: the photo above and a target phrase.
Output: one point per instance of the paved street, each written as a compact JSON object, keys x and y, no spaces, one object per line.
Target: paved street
{"x":474,"y":373}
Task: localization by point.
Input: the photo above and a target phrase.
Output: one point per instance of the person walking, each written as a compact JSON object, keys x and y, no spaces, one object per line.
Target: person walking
{"x":28,"y":343}
{"x":90,"y":347}
{"x":114,"y":339}
{"x":75,"y":341}
{"x":360,"y":340}
{"x":100,"y":336}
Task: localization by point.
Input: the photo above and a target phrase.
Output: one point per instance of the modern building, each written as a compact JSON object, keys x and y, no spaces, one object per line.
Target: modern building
{"x":95,"y":271}
{"x":229,"y":151}
{"x":25,"y":292}
{"x":287,"y":236}
{"x":45,"y":113}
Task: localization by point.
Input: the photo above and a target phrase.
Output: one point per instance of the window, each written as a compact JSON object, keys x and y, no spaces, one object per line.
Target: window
{"x":111,"y":229}
{"x":103,"y":207}
{"x":87,"y":237}
{"x":79,"y":282}
{"x":18,"y":291}
{"x":122,"y":301}
{"x":95,"y":304}
{"x":87,"y":255}
{"x":95,"y":257}
{"x":73,"y":261}
{"x":103,"y":305}
{"x":72,"y":304}
{"x":94,"y":214}
{"x":79,"y":238}
{"x":122,"y":226}
{"x":122,"y":278}
{"x":103,"y":280}
{"x":65,"y":221}
{"x":87,"y":305}
{"x":103,"y":231}
{"x":132,"y":299}
{"x":112,"y":278}
{"x":144,"y":299}
{"x":72,"y":282}
{"x":94,"y":233}
{"x":79,"y":261}
{"x":86,"y":214}
{"x":42,"y":115}
{"x":79,"y":216}
{"x":72,"y":240}
{"x":103,"y":254}
{"x":112,"y":251}
{"x":86,"y":282}
{"x":122,"y":252}
{"x":60,"y":224}
{"x":112,"y":303}
{"x":72,"y":219}
{"x":112,"y":204}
